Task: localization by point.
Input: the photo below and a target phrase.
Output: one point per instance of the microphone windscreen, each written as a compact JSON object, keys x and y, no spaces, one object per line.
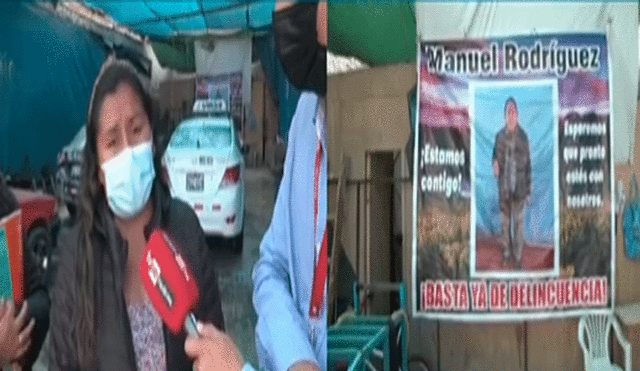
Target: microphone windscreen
{"x":168,"y":281}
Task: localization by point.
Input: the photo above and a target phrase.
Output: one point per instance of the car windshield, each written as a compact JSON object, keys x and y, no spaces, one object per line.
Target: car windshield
{"x":205,"y":136}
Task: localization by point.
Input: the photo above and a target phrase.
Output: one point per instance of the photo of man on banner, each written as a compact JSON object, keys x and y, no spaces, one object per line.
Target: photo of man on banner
{"x":515,"y":187}
{"x":512,"y":168}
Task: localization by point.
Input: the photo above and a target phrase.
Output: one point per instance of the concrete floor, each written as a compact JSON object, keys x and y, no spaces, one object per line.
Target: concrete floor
{"x":234,"y":270}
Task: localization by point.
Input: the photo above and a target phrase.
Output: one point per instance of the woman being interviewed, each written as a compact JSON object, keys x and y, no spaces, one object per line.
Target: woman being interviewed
{"x":101,"y":317}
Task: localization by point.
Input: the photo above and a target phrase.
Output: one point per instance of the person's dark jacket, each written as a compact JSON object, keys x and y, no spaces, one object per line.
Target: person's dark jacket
{"x":522,"y":160}
{"x":114,"y":344}
{"x":37,"y":296}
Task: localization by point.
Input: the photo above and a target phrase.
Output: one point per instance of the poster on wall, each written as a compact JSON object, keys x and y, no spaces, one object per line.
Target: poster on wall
{"x":226,"y":86}
{"x":513,"y":178}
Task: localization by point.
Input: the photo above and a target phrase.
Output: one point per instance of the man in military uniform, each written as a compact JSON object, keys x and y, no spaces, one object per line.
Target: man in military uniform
{"x":512,"y":167}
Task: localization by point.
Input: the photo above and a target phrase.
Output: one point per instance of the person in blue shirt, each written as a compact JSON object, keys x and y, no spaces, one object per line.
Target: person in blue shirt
{"x":283,"y":277}
{"x":290,"y":336}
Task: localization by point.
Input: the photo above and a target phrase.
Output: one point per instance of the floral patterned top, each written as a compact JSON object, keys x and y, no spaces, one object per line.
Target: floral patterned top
{"x":148,"y":337}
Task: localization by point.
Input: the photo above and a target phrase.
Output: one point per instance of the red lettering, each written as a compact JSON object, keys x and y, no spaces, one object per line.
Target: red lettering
{"x":457,"y":289}
{"x":427,"y":294}
{"x":597,"y":292}
{"x":448,"y":300}
{"x":575,"y":290}
{"x":562,"y":294}
{"x":568,"y":300}
{"x":586,"y":294}
{"x":463,"y":297}
{"x":600,"y":291}
{"x":551,"y":294}
{"x":531,"y":300}
{"x":541,"y":295}
{"x":447,"y":295}
{"x":522,"y":289}
{"x":503,"y":295}
{"x":494,"y":295}
{"x":483,"y":302}
{"x":479,"y":295}
{"x":513,"y":295}
{"x":499,"y":296}
{"x":495,"y":301}
{"x":437,"y":303}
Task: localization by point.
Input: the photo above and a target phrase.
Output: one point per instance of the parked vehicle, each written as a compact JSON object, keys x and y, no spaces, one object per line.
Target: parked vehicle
{"x":69,"y":170}
{"x":205,"y":168}
{"x":39,"y":214}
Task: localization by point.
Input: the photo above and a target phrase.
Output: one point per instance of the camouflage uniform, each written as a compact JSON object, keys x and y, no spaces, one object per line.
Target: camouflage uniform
{"x":512,"y":154}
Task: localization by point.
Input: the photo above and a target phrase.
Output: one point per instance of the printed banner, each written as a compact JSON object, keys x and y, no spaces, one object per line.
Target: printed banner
{"x":224,"y":86}
{"x":513,"y":175}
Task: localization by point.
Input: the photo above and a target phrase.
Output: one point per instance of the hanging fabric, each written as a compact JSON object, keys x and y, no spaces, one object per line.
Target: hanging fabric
{"x":632,"y":222}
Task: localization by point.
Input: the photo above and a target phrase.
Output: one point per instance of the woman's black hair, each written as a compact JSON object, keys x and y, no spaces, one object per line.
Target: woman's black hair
{"x":92,"y":194}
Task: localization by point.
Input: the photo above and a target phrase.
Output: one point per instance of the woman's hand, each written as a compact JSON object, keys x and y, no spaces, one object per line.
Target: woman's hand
{"x":15,"y":337}
{"x":213,"y":350}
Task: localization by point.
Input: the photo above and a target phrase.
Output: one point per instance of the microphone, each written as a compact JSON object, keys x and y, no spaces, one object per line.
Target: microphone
{"x":169,"y":284}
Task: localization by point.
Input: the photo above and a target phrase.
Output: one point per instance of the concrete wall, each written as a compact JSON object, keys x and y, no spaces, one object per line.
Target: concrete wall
{"x":368,"y":111}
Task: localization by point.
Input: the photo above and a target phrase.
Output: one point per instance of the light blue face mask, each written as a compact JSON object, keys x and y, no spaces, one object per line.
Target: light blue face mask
{"x":129,"y":178}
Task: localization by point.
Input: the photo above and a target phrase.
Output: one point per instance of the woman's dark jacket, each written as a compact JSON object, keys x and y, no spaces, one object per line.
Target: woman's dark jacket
{"x":114,"y":344}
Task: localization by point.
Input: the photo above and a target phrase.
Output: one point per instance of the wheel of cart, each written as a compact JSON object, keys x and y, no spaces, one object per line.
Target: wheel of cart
{"x":359,"y":342}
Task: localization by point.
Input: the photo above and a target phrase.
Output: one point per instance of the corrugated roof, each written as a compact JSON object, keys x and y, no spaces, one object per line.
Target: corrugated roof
{"x":164,"y":19}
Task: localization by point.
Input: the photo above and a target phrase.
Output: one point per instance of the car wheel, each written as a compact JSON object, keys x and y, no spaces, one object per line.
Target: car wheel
{"x":236,"y":243}
{"x":39,"y":244}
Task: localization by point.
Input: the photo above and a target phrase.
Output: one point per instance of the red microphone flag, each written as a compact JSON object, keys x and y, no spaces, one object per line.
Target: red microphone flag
{"x":169,"y":284}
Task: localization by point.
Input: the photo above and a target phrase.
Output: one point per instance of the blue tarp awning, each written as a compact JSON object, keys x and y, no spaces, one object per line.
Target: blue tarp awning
{"x":168,"y":19}
{"x":164,"y":19}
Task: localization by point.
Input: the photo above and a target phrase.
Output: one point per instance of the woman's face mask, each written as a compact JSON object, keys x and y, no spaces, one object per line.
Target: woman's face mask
{"x":129,"y":179}
{"x":303,"y":58}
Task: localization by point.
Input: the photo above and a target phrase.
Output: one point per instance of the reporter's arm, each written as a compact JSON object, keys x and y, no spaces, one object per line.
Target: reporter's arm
{"x":213,"y":350}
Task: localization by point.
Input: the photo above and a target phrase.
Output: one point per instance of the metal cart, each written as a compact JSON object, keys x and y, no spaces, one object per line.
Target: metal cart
{"x":359,"y":342}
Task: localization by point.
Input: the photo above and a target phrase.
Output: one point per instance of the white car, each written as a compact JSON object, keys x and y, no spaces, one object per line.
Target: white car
{"x":205,"y":168}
